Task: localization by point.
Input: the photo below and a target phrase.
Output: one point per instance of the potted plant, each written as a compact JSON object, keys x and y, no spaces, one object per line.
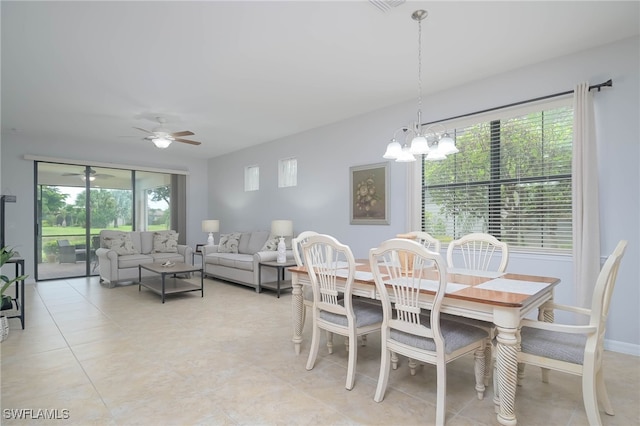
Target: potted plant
{"x":6,"y":302}
{"x":50,"y":249}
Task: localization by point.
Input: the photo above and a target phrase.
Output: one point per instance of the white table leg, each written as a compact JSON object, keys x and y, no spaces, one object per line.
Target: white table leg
{"x":507,"y":371}
{"x":298,"y":312}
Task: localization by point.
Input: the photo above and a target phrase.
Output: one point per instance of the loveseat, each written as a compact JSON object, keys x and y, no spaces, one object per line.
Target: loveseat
{"x":120,"y":253}
{"x":237,"y":255}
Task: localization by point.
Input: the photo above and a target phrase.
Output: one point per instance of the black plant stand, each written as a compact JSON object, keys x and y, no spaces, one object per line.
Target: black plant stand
{"x":19,"y":299}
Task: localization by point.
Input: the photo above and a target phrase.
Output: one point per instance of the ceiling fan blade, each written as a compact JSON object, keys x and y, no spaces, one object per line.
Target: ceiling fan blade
{"x":183,"y":133}
{"x":187,"y":141}
{"x":146,"y":131}
{"x":72,"y":174}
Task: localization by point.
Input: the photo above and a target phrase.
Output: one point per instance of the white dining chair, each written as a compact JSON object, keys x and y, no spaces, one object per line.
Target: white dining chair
{"x":427,"y":240}
{"x":479,"y":252}
{"x":328,"y":261}
{"x":307,"y":292}
{"x":406,"y":330}
{"x":430,"y":243}
{"x":576,"y":349}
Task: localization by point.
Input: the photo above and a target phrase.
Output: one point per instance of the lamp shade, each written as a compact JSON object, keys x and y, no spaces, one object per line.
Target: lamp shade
{"x":419,"y":145}
{"x":436,"y":155}
{"x":405,"y":156}
{"x":394,"y":150}
{"x":210,"y":225}
{"x":447,"y":145}
{"x":282,"y":228}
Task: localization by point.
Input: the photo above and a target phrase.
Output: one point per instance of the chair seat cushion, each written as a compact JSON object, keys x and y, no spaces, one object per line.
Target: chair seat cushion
{"x":566,"y":347}
{"x":456,"y":335}
{"x":366,"y":314}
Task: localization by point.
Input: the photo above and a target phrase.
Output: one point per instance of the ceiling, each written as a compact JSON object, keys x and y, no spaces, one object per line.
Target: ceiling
{"x":241,"y":73}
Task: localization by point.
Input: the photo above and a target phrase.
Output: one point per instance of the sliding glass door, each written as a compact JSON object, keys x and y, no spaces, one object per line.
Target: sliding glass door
{"x":73,"y":203}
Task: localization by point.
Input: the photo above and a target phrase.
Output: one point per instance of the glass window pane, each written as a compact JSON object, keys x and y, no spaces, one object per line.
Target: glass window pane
{"x":252,"y":178}
{"x":511,"y":178}
{"x":287,"y":172}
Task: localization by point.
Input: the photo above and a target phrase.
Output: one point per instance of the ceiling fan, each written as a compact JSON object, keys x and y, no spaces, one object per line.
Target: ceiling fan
{"x":92,"y":175}
{"x":162,"y":137}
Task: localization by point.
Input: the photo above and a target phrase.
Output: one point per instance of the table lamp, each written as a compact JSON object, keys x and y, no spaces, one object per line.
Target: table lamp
{"x":282,"y":228}
{"x":210,"y":226}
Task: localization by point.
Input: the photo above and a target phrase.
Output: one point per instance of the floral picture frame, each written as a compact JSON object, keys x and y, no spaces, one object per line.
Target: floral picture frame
{"x":369,"y":194}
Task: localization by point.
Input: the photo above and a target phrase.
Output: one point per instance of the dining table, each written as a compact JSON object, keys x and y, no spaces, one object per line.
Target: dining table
{"x":496,"y":297}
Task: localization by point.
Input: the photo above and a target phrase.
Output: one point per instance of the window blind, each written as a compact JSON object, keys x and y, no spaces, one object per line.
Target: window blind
{"x":511,"y":179}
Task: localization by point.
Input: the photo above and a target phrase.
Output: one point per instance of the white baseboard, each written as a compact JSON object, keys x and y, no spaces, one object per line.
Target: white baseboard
{"x":622,"y":347}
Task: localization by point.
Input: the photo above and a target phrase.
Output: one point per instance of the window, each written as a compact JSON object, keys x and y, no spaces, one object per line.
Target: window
{"x":287,"y":172}
{"x":511,"y":179}
{"x":251,"y":178}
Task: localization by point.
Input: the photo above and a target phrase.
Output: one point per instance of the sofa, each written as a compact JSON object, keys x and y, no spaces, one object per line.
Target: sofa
{"x":120,"y":253}
{"x":237,"y":256}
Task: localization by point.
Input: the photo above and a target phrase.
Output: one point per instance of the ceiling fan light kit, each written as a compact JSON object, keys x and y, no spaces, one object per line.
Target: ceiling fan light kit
{"x":162,"y":137}
{"x":161,"y":142}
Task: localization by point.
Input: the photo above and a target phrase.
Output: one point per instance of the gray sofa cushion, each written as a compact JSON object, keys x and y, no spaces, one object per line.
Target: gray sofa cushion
{"x":233,"y":260}
{"x":146,"y":242}
{"x":243,"y":245}
{"x":133,"y":260}
{"x":258,"y":238}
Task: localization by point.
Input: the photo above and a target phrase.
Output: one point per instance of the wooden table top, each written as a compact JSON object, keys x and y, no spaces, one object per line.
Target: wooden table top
{"x":476,"y":286}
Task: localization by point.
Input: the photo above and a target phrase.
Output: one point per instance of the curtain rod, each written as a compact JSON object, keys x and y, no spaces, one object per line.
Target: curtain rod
{"x":608,"y":83}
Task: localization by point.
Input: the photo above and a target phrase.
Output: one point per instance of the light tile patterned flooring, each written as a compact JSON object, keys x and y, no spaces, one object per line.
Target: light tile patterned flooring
{"x":120,"y":357}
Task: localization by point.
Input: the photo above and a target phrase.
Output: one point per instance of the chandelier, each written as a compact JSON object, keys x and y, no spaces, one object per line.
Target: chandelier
{"x":436,"y":145}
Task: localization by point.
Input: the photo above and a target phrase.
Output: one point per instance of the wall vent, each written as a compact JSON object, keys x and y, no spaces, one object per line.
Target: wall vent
{"x":386,"y":5}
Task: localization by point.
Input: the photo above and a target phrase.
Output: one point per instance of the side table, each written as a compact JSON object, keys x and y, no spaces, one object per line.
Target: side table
{"x":281,"y":283}
{"x":197,"y":251}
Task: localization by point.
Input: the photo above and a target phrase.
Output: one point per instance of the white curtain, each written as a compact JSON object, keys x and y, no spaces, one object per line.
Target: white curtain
{"x":586,"y":217}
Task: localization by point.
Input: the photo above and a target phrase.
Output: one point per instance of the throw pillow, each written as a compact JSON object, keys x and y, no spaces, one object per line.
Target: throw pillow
{"x":271,"y":244}
{"x":121,"y":244}
{"x":229,"y":242}
{"x":165,"y":242}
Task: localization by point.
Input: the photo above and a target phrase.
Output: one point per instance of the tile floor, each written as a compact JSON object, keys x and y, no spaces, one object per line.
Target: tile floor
{"x":119,"y":357}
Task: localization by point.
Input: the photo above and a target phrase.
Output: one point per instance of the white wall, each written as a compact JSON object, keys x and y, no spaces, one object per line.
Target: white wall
{"x":18,"y":179}
{"x":320,"y":202}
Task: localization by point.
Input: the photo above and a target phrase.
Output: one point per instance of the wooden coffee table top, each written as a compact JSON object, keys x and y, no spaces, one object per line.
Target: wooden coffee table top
{"x":176,"y":268}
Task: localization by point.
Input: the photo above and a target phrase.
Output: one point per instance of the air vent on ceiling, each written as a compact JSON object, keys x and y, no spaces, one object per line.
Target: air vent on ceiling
{"x":386,"y":5}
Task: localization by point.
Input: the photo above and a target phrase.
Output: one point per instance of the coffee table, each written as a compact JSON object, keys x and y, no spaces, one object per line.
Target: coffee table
{"x":174,"y":285}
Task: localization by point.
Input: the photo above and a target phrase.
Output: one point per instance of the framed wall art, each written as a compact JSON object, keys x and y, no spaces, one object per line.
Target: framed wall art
{"x":369,"y":194}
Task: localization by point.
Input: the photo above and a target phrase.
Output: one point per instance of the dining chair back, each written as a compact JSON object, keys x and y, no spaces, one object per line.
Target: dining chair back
{"x":426,"y":239}
{"x":307,"y":292}
{"x":406,"y":329}
{"x":576,"y":349}
{"x":329,"y":262}
{"x":478,"y":251}
{"x":296,"y":245}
